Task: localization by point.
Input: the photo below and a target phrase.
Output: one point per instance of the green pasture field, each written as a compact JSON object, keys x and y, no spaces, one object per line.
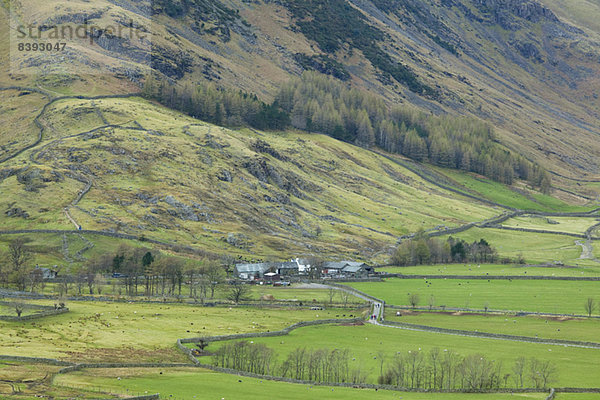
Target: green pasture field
{"x":504,"y":195}
{"x":189,"y":384}
{"x":562,"y":297}
{"x":494,"y":269}
{"x":297,"y":295}
{"x":576,"y":367}
{"x":582,"y":329}
{"x":558,"y":224}
{"x":129,"y":332}
{"x":535,"y":247}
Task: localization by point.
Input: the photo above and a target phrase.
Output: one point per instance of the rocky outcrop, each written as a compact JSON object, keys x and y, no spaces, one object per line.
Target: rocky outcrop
{"x":185,"y":212}
{"x":285,"y":180}
{"x":16,"y":212}
{"x":225,"y":176}
{"x":529,"y":50}
{"x":505,"y":11}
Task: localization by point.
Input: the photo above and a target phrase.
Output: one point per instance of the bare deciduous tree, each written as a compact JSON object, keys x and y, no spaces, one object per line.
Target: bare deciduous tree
{"x":590,"y":306}
{"x":331,"y":293}
{"x":431,"y":302}
{"x":18,"y":256}
{"x":238,"y":292}
{"x":413,"y":299}
{"x":215,"y":275}
{"x":19,"y":307}
{"x":519,"y":371}
{"x":345,"y":296}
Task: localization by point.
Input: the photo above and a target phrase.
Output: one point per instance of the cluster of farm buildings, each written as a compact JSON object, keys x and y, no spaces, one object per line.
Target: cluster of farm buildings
{"x":300,"y":267}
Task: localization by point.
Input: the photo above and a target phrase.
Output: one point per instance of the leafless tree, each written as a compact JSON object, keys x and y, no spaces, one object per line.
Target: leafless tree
{"x":18,"y":256}
{"x":434,"y":359}
{"x":413,"y":299}
{"x":316,"y":267}
{"x":590,"y":306}
{"x":345,"y":296}
{"x":100,"y":282}
{"x":238,"y":292}
{"x":331,"y":293}
{"x":36,"y":278}
{"x":534,"y":373}
{"x":65,"y":284}
{"x":215,"y":275}
{"x":519,"y":371}
{"x":19,"y":307}
{"x":381,"y":356}
{"x":546,"y":371}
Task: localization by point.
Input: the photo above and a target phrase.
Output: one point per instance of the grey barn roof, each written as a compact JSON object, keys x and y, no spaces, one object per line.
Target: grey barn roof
{"x":245,"y":268}
{"x":288,"y":265}
{"x":352,"y":268}
{"x":341,"y":265}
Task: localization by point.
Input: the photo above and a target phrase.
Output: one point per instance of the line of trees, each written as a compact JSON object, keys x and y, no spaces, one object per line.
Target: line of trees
{"x":446,"y":370}
{"x":319,"y":365}
{"x":318,"y":103}
{"x":216,"y":105}
{"x":140,"y":271}
{"x":425,"y":250}
{"x":153,"y":273}
{"x":415,"y":369}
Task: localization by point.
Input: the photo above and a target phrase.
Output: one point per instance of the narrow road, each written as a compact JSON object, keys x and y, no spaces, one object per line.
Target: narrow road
{"x":586,"y":249}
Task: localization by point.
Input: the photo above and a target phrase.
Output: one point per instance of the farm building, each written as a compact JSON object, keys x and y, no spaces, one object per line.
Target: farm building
{"x":252,"y":271}
{"x":287,"y":268}
{"x":347,"y":269}
{"x":278,"y":270}
{"x":46,"y":273}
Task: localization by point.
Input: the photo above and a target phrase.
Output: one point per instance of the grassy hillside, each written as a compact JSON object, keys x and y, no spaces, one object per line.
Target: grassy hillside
{"x":156,"y":173}
{"x":128,"y":166}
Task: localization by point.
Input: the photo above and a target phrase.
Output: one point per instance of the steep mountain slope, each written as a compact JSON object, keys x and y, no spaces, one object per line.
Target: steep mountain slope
{"x":529,"y":68}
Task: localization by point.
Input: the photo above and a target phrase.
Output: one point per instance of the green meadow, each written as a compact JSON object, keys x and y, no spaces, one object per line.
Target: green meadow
{"x":562,"y":297}
{"x":534,"y":247}
{"x":143,"y":332}
{"x":369,"y":345}
{"x":558,"y":224}
{"x":565,"y":328}
{"x":195,"y":383}
{"x":524,"y":199}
